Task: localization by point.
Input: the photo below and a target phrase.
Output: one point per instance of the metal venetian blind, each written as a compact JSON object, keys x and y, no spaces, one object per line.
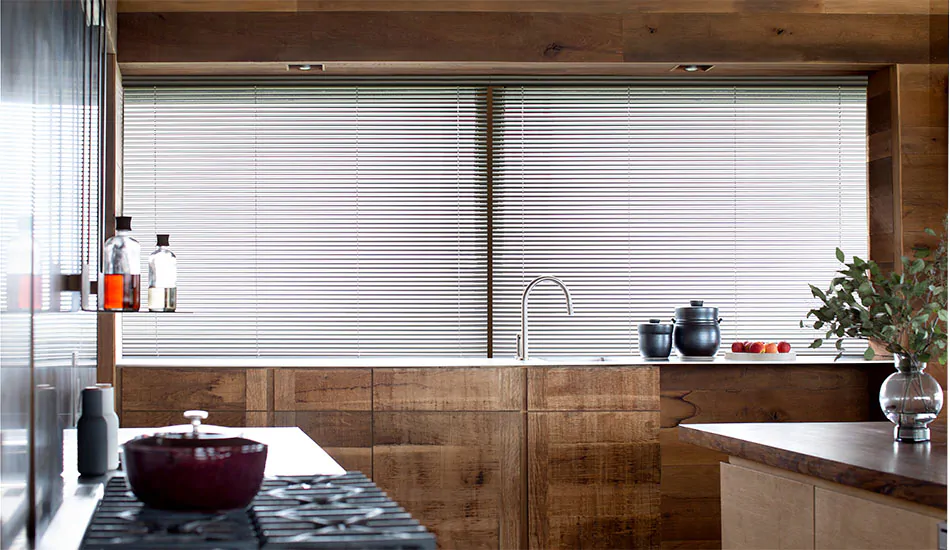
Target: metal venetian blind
{"x":644,"y":198}
{"x":312,"y":221}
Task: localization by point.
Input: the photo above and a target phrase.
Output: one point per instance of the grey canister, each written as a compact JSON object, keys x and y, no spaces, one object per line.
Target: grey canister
{"x":92,"y":435}
{"x":655,"y":339}
{"x":112,"y":421}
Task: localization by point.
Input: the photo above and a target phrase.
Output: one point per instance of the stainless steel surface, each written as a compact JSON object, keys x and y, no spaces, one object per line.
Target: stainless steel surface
{"x":523,"y":334}
{"x":292,"y":453}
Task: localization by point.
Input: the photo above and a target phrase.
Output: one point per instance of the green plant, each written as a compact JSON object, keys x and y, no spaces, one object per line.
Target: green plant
{"x":906,"y":311}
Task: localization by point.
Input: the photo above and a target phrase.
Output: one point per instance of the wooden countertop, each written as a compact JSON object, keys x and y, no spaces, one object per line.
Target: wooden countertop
{"x":858,"y":454}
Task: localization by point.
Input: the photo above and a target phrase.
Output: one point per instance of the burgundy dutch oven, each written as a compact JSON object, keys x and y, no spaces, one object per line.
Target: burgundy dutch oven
{"x":196,"y":470}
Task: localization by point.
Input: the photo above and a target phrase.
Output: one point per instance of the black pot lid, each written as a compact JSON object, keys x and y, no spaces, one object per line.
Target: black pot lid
{"x":696,"y":312}
{"x":655,"y":327}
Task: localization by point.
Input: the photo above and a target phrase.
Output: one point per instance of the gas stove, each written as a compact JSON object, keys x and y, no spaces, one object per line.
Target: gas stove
{"x":346,"y":511}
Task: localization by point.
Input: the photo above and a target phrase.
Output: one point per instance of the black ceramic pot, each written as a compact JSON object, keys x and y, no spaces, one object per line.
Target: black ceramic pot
{"x":656,"y":339}
{"x":696,"y":330}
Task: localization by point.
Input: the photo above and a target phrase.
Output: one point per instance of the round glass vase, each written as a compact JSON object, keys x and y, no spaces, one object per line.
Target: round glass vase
{"x":911,"y":399}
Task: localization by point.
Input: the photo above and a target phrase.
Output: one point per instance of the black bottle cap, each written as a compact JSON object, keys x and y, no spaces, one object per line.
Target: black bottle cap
{"x":162,"y":240}
{"x":123,"y":223}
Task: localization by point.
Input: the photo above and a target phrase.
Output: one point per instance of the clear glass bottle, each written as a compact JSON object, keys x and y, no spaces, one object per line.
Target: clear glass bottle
{"x":162,"y":277}
{"x":120,"y":285}
{"x":911,"y":399}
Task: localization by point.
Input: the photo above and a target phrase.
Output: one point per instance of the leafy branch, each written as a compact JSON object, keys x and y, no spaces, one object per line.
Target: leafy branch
{"x":905,"y":311}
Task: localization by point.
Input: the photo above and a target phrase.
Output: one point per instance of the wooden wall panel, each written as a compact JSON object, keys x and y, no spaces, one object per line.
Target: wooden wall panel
{"x":595,"y":388}
{"x":347,"y":436}
{"x":159,"y":389}
{"x":369,"y":36}
{"x":459,"y":473}
{"x":690,"y":499}
{"x":705,"y":37}
{"x":593,"y":480}
{"x":323,"y":389}
{"x":449,"y":389}
{"x":586,"y":6}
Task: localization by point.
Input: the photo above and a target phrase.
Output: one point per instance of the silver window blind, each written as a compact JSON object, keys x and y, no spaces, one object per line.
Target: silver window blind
{"x":643,"y":198}
{"x":317,"y":221}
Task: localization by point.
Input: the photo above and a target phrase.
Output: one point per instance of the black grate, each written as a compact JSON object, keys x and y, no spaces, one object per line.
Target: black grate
{"x":345,"y":512}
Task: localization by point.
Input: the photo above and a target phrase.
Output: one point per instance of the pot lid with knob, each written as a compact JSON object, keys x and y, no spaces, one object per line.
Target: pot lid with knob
{"x":654,"y":327}
{"x":696,"y":313}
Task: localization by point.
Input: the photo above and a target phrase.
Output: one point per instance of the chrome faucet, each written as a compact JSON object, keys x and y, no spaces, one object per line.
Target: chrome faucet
{"x":523,"y":335}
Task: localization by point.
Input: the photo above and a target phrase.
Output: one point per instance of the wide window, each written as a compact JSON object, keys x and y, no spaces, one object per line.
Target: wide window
{"x":360,"y":220}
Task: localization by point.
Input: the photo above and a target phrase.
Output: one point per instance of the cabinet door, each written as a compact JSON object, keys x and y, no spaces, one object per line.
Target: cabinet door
{"x":593,"y":480}
{"x":333,"y":407}
{"x":843,"y":522}
{"x":761,"y":510}
{"x":459,"y":473}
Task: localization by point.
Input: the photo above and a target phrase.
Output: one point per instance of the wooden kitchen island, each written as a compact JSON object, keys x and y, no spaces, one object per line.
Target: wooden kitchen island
{"x":830,"y":485}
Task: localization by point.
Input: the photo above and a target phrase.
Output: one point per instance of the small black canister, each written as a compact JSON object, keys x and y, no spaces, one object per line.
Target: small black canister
{"x":92,"y":435}
{"x":696,"y":330}
{"x":656,"y":339}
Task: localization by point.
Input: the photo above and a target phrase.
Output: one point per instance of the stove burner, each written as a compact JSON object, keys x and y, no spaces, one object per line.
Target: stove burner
{"x":342,"y":512}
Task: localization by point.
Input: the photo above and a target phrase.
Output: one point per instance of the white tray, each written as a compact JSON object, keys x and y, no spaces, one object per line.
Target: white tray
{"x":732,"y":356}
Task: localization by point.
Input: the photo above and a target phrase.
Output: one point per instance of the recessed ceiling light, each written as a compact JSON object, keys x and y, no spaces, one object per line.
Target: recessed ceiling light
{"x":692,"y":68}
{"x":305,"y":67}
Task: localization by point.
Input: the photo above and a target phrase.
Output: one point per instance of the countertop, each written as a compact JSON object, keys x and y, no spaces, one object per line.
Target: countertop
{"x":289,"y":452}
{"x":863,"y":455}
{"x":467,"y":362}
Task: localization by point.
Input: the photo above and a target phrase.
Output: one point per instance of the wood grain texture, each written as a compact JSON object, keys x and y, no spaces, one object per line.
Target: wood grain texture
{"x":152,"y":389}
{"x":595,"y":388}
{"x":586,"y":6}
{"x":369,"y":36}
{"x":459,"y":473}
{"x":323,"y":389}
{"x":765,"y":511}
{"x":862,"y":455}
{"x":883,"y":180}
{"x":449,"y":389}
{"x":259,"y":390}
{"x":848,"y":522}
{"x":347,"y":436}
{"x":593,"y":480}
{"x":695,"y":38}
{"x":149,"y":419}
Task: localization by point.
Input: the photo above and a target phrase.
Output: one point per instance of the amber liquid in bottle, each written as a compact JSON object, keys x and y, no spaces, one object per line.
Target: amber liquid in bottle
{"x":121,"y":292}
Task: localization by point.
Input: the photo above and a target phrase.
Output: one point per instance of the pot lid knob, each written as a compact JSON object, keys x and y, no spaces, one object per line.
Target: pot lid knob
{"x":696,"y":303}
{"x":654,"y":321}
{"x":196,"y":417}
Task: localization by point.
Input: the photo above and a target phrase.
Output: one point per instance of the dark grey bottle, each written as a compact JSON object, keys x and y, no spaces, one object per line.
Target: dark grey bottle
{"x":92,"y":435}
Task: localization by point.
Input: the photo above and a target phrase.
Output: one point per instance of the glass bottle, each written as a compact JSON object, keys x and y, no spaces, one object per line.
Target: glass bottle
{"x":911,"y":399}
{"x":162,"y":277}
{"x":120,"y":283}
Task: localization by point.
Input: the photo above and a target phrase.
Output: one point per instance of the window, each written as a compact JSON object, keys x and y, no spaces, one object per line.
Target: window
{"x":354,"y":220}
{"x":335,"y":221}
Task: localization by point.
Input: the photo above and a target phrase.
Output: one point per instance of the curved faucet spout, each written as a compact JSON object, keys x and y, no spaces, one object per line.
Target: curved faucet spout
{"x":523,"y":335}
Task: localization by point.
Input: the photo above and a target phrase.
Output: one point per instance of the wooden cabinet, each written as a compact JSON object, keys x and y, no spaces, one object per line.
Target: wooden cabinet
{"x":766,"y":507}
{"x":851,"y":522}
{"x":448,"y":445}
{"x":593,"y":457}
{"x":487,"y":457}
{"x":761,"y":510}
{"x":334,"y":407}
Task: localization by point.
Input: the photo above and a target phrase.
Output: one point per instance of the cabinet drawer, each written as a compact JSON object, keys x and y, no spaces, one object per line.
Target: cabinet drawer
{"x":323,"y":389}
{"x":156,"y":389}
{"x":844,"y":522}
{"x":593,"y":388}
{"x":449,"y":389}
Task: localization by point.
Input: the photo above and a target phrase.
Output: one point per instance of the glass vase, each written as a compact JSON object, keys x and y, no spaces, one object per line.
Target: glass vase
{"x":911,"y":399}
